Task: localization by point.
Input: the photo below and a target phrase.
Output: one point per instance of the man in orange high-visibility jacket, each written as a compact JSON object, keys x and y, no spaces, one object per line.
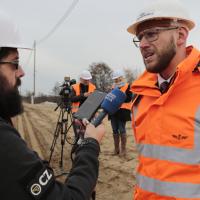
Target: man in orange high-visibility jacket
{"x":80,"y":92}
{"x":167,"y":123}
{"x":119,"y":119}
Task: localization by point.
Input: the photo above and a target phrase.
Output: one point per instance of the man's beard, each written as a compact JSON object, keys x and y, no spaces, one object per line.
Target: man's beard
{"x":10,"y":99}
{"x":164,"y":58}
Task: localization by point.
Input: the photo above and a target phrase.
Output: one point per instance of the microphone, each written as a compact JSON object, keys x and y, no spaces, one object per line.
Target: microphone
{"x":110,"y":105}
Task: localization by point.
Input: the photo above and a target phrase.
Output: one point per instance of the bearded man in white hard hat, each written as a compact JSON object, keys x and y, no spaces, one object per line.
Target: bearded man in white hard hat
{"x":166,"y":111}
{"x":24,"y":175}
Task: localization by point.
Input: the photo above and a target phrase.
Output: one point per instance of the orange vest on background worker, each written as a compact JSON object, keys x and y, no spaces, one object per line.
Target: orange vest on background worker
{"x":118,"y":75}
{"x":76,"y":87}
{"x":167,"y":133}
{"x":126,"y":105}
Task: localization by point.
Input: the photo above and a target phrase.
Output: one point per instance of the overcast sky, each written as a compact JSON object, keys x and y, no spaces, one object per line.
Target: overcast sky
{"x":95,"y":31}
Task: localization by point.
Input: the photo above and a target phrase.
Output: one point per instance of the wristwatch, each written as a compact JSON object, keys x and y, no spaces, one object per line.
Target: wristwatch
{"x":87,"y":141}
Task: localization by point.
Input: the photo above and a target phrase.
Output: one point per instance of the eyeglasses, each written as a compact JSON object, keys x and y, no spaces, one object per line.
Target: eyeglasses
{"x":14,"y":63}
{"x":151,"y":35}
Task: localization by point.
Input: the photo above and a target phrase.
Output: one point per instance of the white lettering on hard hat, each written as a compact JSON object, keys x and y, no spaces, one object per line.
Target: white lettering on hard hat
{"x":44,"y":178}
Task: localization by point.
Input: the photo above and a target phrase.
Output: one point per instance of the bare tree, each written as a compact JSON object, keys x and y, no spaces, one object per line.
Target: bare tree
{"x":130,"y":74}
{"x":101,"y":76}
{"x":56,"y":89}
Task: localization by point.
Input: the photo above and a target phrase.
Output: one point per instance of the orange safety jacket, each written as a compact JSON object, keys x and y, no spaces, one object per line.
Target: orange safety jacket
{"x":76,"y":87}
{"x":167,"y":134}
{"x":126,"y":105}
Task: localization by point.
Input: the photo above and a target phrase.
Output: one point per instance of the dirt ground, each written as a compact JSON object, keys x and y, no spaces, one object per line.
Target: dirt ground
{"x":116,"y":175}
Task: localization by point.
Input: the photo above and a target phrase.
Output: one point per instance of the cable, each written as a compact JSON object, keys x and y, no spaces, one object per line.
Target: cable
{"x":69,"y":10}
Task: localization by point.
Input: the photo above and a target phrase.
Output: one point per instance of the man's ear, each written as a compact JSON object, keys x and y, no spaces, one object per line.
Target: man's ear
{"x":182,"y":35}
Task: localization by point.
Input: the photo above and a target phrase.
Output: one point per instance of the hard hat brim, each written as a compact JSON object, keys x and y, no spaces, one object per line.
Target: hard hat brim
{"x":18,"y":46}
{"x":133,"y":28}
{"x":87,"y":79}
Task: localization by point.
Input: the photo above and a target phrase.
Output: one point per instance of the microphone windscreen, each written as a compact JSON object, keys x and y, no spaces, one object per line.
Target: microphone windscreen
{"x":113,"y":101}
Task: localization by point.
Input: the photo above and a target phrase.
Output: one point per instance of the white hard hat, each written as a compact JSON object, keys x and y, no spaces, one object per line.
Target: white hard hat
{"x":117,"y":73}
{"x":10,"y":36}
{"x":163,"y":9}
{"x":86,"y":75}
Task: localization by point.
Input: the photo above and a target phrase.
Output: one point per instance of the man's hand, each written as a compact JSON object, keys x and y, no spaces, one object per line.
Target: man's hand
{"x":96,"y":133}
{"x":86,"y":94}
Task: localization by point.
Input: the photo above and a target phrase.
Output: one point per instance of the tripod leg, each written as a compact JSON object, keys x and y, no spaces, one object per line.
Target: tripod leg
{"x":56,"y":134}
{"x":64,"y":132}
{"x":62,"y":144}
{"x":62,"y":129}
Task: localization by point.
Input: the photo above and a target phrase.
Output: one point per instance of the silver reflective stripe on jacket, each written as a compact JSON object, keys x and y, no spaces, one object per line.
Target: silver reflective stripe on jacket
{"x":179,"y":190}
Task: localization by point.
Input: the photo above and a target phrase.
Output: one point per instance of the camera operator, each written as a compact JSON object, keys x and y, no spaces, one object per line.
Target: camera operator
{"x":24,"y":175}
{"x":80,"y":92}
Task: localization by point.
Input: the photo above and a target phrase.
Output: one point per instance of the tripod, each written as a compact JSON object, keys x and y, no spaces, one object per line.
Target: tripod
{"x":62,"y":128}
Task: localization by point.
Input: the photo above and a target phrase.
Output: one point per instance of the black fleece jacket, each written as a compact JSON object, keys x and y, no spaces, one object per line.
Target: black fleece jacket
{"x":25,"y":176}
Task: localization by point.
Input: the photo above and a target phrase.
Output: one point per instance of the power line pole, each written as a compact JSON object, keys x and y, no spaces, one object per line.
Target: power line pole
{"x":34,"y":66}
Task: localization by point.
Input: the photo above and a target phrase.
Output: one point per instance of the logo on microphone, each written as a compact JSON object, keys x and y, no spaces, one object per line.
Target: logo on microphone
{"x":110,"y":97}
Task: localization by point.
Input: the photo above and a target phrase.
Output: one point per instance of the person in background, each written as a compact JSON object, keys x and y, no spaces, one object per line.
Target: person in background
{"x":24,"y":175}
{"x":119,"y":119}
{"x":80,"y":92}
{"x":166,"y":111}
